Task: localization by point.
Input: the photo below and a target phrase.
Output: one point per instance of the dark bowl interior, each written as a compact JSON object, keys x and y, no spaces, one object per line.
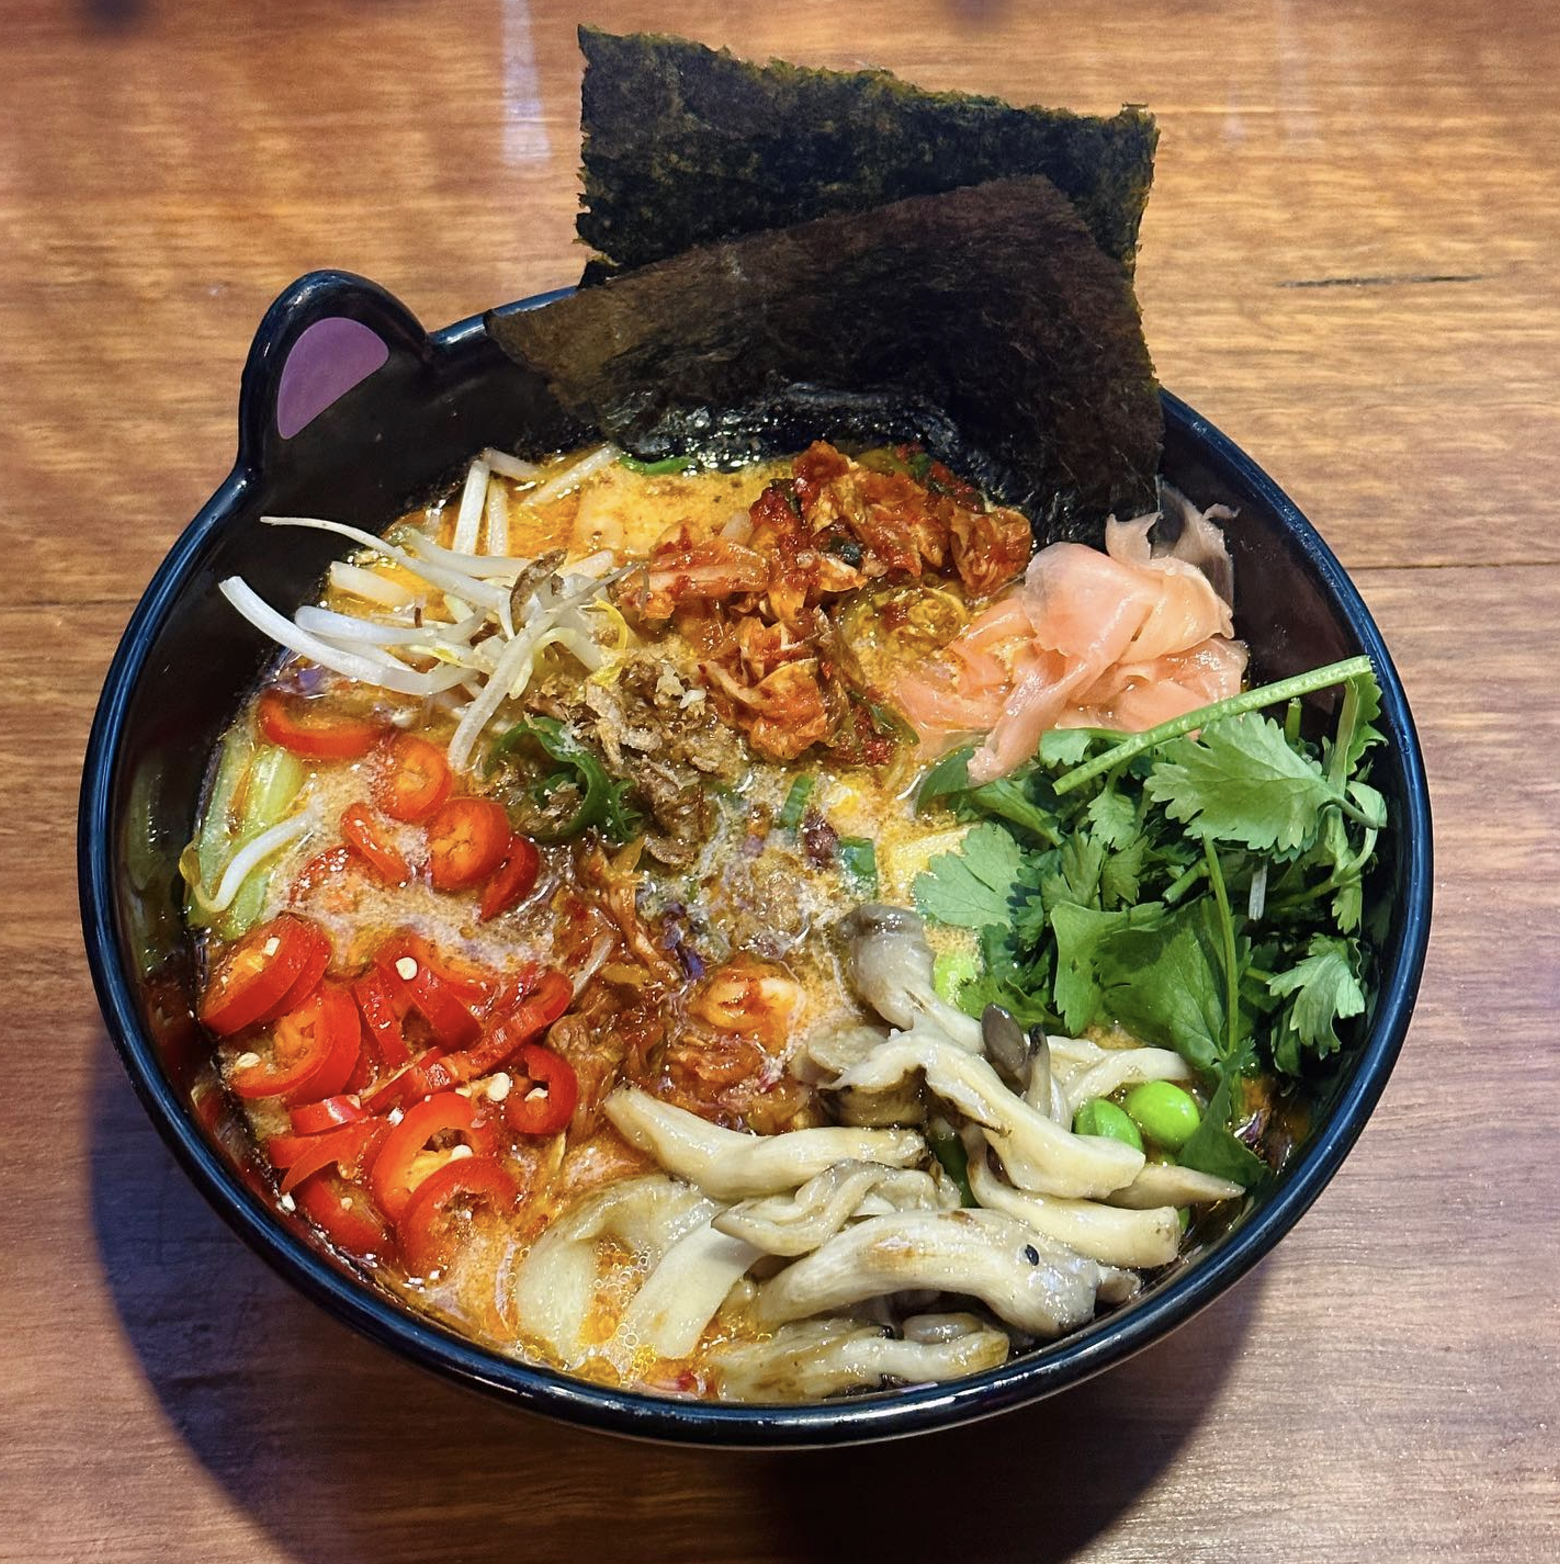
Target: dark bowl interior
{"x":349,"y":409}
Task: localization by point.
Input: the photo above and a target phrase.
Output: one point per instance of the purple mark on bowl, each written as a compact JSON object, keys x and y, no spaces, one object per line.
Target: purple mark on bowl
{"x":327,"y":360}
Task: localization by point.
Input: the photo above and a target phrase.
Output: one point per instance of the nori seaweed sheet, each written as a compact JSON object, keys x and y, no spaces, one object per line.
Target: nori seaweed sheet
{"x":685,"y":145}
{"x":985,"y":321}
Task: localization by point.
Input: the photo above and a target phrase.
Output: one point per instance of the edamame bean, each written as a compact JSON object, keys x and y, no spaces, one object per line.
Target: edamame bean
{"x":951,"y":971}
{"x":1165,"y":1113}
{"x":1100,"y":1117}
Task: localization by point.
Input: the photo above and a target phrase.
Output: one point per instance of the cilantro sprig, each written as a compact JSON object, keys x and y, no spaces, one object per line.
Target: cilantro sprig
{"x":1200,"y":884}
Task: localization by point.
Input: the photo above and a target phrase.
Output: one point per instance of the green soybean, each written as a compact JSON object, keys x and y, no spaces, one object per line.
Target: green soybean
{"x":951,"y":971}
{"x":1165,"y":1113}
{"x":1101,"y":1117}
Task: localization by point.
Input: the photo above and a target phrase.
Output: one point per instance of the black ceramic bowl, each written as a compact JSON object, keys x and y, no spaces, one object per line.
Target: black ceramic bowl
{"x":348,"y":408}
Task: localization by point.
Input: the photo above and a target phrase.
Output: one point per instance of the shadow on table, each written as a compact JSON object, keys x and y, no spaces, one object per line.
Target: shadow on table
{"x":343,"y":1453}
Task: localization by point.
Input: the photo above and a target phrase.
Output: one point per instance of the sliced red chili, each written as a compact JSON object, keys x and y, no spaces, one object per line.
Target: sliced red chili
{"x":312,"y":1050}
{"x":315,"y":961}
{"x":308,"y":727}
{"x":426,"y":1075}
{"x":395,"y":1174}
{"x":513,"y":881}
{"x":367,"y":836}
{"x":467,"y":841}
{"x":542,"y":1099}
{"x":376,"y":1004}
{"x":550,"y":996}
{"x":344,"y":1213}
{"x":354,"y":1149}
{"x":445,"y":1204}
{"x":453,"y":1025}
{"x":314,"y":1118}
{"x":475,"y":986}
{"x":414,"y":780}
{"x":254,"y":976}
{"x":328,"y":865}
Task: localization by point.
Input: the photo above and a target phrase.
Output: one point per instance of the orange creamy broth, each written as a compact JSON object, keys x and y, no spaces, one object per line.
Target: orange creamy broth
{"x":570,"y":910}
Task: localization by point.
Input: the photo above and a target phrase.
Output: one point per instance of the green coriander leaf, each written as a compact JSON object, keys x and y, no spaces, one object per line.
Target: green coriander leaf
{"x":1214,"y":1150}
{"x":1348,"y":905}
{"x":1018,"y":985}
{"x":1241,"y":782}
{"x":951,"y":774}
{"x":1064,"y":746}
{"x":1113,"y":818}
{"x":1370,"y":804}
{"x":1325,"y":989}
{"x":1076,"y":878}
{"x":1080,"y":935}
{"x":1008,"y":799}
{"x":1165,"y":983}
{"x":1122,"y":875}
{"x":972,"y":887}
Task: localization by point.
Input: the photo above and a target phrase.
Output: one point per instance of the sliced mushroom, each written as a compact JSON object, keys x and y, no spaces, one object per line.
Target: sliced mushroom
{"x":553,"y":1289}
{"x":829,"y":1054}
{"x":1165,"y":1184}
{"x":817,"y":1358}
{"x":931,"y":1329}
{"x":1026,"y":1279}
{"x":796,"y":1224}
{"x":681,"y":1296}
{"x":731,"y":1166}
{"x":1120,"y":1067}
{"x":1038,"y":1153}
{"x":891,"y":966}
{"x":1105,"y":1233}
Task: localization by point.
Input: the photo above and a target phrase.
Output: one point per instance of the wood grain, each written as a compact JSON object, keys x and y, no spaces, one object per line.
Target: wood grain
{"x":1349,"y":263}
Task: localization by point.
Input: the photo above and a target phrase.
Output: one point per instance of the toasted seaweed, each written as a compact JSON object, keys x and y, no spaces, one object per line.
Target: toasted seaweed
{"x":685,"y":145}
{"x":985,"y":321}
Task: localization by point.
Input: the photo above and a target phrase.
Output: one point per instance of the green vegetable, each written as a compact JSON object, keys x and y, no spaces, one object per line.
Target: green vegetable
{"x":949,"y":1150}
{"x":604,"y":802}
{"x":214,"y":841}
{"x":971,"y":888}
{"x":660,"y":469}
{"x":1111,"y":881}
{"x":795,"y":805}
{"x":1165,"y":1113}
{"x":254,"y":787}
{"x":1099,"y":1116}
{"x":951,"y":970}
{"x":858,"y":862}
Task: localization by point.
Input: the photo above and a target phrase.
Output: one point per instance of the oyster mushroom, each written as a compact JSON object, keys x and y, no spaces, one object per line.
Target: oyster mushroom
{"x":828,"y":1054}
{"x":680,"y":1297}
{"x":552,"y":1290}
{"x":1024,"y":1062}
{"x":891,"y":967}
{"x":816,"y":1358}
{"x":1091,"y":1071}
{"x":1024,"y":1278}
{"x":796,"y":1224}
{"x":731,"y":1166}
{"x":1038,"y":1153}
{"x":1167,"y":1184}
{"x":1105,"y":1233}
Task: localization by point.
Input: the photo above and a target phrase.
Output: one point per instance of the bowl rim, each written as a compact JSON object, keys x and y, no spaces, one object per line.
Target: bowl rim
{"x":873,"y":1417}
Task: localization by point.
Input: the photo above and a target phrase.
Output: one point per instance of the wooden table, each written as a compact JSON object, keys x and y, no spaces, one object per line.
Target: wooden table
{"x":1349,"y":263}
